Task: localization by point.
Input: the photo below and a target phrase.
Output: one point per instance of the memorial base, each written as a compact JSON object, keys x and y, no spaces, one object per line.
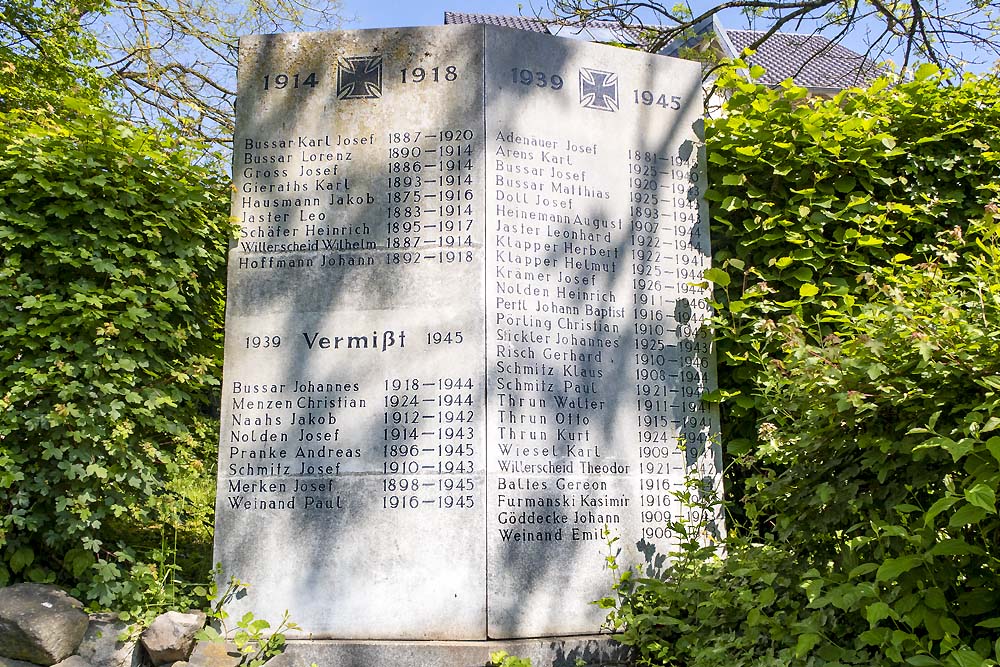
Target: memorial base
{"x":592,"y":650}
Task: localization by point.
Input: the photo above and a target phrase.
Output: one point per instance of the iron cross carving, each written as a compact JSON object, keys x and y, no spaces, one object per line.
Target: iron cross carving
{"x":359,"y":77}
{"x":598,"y":89}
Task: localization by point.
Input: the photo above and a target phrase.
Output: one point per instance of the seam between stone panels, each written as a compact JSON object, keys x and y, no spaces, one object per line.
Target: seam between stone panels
{"x":486,"y":356}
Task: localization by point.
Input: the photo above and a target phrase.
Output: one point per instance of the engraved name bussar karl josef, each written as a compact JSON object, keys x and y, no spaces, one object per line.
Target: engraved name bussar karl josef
{"x":598,"y":89}
{"x":359,"y":77}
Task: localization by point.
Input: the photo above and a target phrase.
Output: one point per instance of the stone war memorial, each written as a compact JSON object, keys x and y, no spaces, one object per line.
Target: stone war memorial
{"x":466,"y":330}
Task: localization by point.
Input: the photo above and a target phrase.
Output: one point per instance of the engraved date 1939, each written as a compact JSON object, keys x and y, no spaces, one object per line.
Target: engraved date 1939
{"x":527,"y":77}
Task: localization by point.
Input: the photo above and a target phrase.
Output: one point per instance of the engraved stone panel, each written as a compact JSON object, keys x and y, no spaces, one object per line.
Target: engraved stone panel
{"x":596,"y":357}
{"x":464,"y":328}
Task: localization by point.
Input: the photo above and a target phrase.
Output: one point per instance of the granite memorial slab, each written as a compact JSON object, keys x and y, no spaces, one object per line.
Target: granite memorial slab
{"x":465,"y":330}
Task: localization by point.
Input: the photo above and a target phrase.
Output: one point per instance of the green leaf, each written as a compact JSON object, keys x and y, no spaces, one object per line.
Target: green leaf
{"x":803,"y":273}
{"x":808,"y":290}
{"x":717,"y":276}
{"x":893,"y":567}
{"x":957,"y":448}
{"x":78,"y":561}
{"x":863,"y":569}
{"x":954,"y":547}
{"x":966,"y":658}
{"x":209,"y":634}
{"x":991,"y":425}
{"x":259,"y":625}
{"x":97,"y":470}
{"x":993,"y":445}
{"x":939,"y":506}
{"x":922,"y":661}
{"x":982,"y":496}
{"x":732,"y":203}
{"x":926,"y":71}
{"x":967,"y":515}
{"x":22,"y":558}
{"x":876,"y":612}
{"x":805,"y":643}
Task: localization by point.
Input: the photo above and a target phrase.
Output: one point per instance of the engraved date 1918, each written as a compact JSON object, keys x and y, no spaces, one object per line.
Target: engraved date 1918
{"x":429,"y":75}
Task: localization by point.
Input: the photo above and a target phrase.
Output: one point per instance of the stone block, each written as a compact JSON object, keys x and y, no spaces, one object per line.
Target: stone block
{"x":170,"y":637}
{"x":594,"y":651}
{"x":39,"y":623}
{"x":10,"y":662}
{"x":212,"y":654}
{"x":73,"y":661}
{"x":100,"y":645}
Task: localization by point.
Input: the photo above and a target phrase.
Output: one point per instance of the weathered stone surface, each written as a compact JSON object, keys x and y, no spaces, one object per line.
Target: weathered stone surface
{"x":10,"y":662}
{"x":73,"y":661}
{"x":594,"y":651}
{"x":464,"y":329}
{"x":39,"y":623}
{"x":100,"y":645}
{"x":210,"y":654}
{"x":170,"y":637}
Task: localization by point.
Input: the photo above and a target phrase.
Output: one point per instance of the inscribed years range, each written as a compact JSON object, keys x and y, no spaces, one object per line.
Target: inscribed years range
{"x":566,"y":321}
{"x":419,"y":211}
{"x":402,"y":198}
{"x":288,"y":444}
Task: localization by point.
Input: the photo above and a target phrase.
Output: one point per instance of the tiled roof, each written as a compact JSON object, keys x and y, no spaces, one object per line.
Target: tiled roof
{"x":811,"y":61}
{"x":519,"y":22}
{"x":598,"y":31}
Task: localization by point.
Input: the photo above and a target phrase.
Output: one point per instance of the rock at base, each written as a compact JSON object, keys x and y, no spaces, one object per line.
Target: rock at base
{"x":10,"y":662}
{"x":170,"y":637}
{"x":40,"y":623}
{"x":101,"y":648}
{"x":210,"y":654}
{"x":73,"y":661}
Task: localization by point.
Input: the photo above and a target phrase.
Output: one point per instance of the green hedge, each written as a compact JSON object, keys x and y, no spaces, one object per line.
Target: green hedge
{"x":857,"y":273}
{"x":113,"y":242}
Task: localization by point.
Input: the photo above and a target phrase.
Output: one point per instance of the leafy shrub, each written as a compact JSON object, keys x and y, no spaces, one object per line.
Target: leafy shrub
{"x":813,"y":194}
{"x":45,"y":49}
{"x":113,"y":244}
{"x":886,"y":446}
{"x":858,"y":286}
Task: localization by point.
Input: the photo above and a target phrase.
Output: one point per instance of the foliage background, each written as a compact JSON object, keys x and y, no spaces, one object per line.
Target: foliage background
{"x":113,"y":243}
{"x":856,"y":272}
